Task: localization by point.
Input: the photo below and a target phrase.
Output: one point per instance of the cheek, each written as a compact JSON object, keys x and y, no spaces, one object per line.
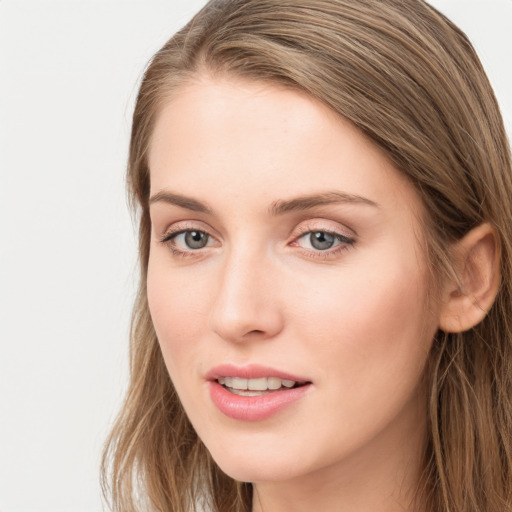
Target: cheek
{"x":367,"y":323}
{"x":178,"y":308}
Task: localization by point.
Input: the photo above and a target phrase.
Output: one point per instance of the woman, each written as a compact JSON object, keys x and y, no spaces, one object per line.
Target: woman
{"x":325,"y":245}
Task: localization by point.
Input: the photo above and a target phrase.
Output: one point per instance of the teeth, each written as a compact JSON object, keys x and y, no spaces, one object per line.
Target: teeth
{"x":261,"y":384}
{"x":273,"y":383}
{"x":239,"y":383}
{"x":257,"y":384}
{"x":243,"y":392}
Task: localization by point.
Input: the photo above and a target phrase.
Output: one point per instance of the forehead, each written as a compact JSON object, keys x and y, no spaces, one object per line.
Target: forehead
{"x":231,"y":138}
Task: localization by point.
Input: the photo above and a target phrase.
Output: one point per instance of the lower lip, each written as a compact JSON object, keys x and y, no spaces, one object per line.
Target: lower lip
{"x":254,"y":408}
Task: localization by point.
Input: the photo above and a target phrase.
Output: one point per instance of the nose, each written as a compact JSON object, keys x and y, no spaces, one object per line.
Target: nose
{"x":246,"y":306}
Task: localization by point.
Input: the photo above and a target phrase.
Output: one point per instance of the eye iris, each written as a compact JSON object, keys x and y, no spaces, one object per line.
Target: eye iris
{"x":321,"y":240}
{"x":196,"y":239}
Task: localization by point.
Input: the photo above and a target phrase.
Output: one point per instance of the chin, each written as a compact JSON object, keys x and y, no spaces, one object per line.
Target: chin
{"x":245,"y":471}
{"x":256,"y":464}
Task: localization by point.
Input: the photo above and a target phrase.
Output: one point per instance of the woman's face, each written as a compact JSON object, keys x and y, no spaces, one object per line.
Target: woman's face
{"x":286,"y":251}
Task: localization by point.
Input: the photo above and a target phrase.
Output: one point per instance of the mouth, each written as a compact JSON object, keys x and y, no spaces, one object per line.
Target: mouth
{"x":259,"y":386}
{"x":254,"y":392}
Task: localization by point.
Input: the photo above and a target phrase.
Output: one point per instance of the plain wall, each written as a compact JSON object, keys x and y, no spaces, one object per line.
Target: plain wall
{"x":68,"y":74}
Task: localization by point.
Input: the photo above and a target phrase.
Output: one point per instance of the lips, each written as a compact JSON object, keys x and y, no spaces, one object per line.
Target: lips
{"x":252,"y":371}
{"x":253,"y":392}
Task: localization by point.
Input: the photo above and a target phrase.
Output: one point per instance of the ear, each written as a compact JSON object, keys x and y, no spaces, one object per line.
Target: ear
{"x":467,"y":299}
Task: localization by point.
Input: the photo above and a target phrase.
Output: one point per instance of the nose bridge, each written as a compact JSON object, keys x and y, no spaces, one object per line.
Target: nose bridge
{"x":246,"y":300}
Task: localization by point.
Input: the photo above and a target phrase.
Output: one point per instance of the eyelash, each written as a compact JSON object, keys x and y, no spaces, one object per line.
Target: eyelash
{"x":345,"y":242}
{"x":169,"y":236}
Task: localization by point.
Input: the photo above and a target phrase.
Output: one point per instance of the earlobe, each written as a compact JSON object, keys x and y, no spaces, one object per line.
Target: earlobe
{"x":477,"y":266}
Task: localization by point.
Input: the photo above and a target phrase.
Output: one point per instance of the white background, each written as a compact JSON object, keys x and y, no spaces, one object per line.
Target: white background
{"x":68,"y":75}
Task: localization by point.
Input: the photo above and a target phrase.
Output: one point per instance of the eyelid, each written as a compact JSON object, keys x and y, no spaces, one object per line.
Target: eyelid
{"x":180,"y":227}
{"x":187,"y":225}
{"x":324,"y":225}
{"x":171,"y":235}
{"x":345,"y":240}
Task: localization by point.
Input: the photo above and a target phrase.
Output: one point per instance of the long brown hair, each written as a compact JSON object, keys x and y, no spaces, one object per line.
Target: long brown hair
{"x":411,"y":82}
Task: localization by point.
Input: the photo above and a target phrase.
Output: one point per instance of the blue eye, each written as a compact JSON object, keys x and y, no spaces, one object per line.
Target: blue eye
{"x":195,"y":239}
{"x":191,"y":239}
{"x":188,"y":239}
{"x":323,"y":240}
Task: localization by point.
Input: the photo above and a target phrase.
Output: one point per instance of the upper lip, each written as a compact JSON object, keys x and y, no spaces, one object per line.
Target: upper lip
{"x":251,"y":371}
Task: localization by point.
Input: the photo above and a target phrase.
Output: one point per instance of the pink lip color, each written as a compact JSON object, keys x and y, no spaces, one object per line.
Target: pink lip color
{"x":251,"y":371}
{"x":252,"y":408}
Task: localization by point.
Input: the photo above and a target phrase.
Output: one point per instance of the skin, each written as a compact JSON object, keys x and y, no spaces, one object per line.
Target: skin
{"x":354,"y":319}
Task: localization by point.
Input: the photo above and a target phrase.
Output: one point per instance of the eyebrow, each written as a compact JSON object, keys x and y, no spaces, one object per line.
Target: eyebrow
{"x":315,"y":200}
{"x":179,"y":200}
{"x":277,"y":208}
